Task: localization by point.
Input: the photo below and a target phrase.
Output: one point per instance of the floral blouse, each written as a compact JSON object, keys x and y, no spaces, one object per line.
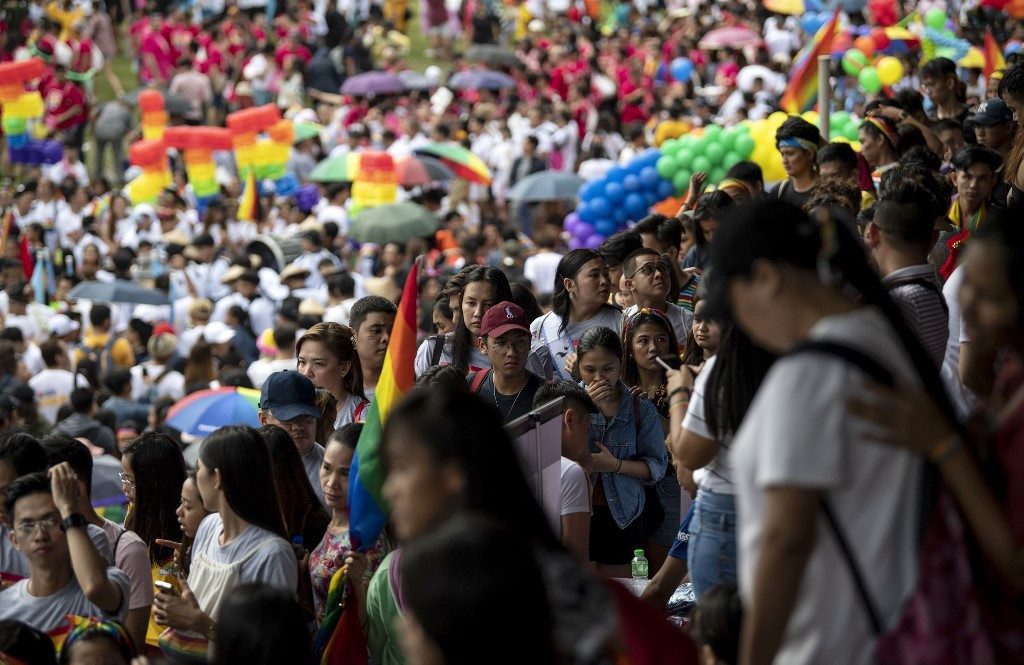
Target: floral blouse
{"x":329,"y":557}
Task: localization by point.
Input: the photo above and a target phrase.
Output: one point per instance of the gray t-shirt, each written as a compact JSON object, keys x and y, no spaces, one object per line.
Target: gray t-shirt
{"x":347,"y":412}
{"x":47,"y":613}
{"x":561,"y":343}
{"x":311,"y":461}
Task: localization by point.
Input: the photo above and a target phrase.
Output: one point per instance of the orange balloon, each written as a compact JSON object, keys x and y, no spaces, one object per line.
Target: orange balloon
{"x":865,"y":45}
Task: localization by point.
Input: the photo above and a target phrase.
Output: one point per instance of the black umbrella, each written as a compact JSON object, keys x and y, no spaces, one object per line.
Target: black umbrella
{"x":492,"y":55}
{"x":118,"y":291}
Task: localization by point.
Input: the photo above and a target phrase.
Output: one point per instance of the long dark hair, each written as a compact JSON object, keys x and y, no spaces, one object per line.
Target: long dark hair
{"x":463,"y":341}
{"x":262,"y":625}
{"x":740,"y":367}
{"x":630,"y":371}
{"x":710,"y":205}
{"x":186,"y":540}
{"x":159,"y":469}
{"x":1005,"y":233}
{"x":693,"y":354}
{"x":300,"y":504}
{"x":1012,"y":85}
{"x":246,"y":475}
{"x":568,"y":267}
{"x":598,"y":338}
{"x":452,"y":425}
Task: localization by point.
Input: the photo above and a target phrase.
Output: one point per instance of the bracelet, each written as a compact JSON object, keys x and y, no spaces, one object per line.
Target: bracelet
{"x":945,"y":450}
{"x":676,"y":403}
{"x":618,"y":467}
{"x":680,"y":389}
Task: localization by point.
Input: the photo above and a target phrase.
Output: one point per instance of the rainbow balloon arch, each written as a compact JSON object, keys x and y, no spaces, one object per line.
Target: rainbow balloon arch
{"x":626,"y":194}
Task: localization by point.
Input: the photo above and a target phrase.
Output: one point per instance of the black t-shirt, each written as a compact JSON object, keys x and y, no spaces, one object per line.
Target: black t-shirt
{"x":484,"y":28}
{"x":786,"y":192}
{"x":511,"y":406}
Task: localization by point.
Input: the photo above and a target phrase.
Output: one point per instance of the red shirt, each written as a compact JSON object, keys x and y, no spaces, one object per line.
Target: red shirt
{"x":181,"y":36}
{"x":285,"y":51}
{"x":154,"y":44}
{"x":59,"y":99}
{"x":81,"y":55}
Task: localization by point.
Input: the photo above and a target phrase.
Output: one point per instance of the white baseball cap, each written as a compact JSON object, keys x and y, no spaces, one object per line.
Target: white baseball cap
{"x":217,"y":332}
{"x":61,"y":324}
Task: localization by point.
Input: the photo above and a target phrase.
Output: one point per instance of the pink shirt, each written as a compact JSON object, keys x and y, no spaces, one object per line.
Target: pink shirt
{"x":155,"y":45}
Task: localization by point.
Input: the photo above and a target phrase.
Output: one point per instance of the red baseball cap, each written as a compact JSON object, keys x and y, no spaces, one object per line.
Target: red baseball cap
{"x":502,"y":318}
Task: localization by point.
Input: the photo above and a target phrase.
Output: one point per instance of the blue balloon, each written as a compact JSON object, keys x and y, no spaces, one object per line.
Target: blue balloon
{"x":599,"y":207}
{"x":681,"y":69}
{"x":661,"y":73}
{"x":813,"y":5}
{"x":631,"y":183}
{"x":589,"y":190}
{"x":605,"y":226}
{"x":584,"y":212}
{"x":635,"y":205}
{"x":619,"y":215}
{"x":614,"y":192}
{"x":650,"y":157}
{"x":811,"y":22}
{"x":652,"y":197}
{"x":665,"y":190}
{"x":286,"y":185}
{"x":583,"y":229}
{"x":649,"y":177}
{"x":615,"y":174}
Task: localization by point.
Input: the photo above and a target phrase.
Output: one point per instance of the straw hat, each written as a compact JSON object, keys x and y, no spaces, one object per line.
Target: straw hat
{"x":292,"y":270}
{"x":233,"y":273}
{"x":311,"y":307}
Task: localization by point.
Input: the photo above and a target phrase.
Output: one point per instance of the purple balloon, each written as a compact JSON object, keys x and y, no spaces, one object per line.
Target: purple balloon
{"x":584,"y":229}
{"x":570,"y":222}
{"x":576,"y":242}
{"x":593,"y":241}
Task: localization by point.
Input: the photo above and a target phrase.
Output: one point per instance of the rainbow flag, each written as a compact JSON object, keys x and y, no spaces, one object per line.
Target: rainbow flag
{"x":802,"y":91}
{"x":994,"y":59}
{"x":248,"y":207}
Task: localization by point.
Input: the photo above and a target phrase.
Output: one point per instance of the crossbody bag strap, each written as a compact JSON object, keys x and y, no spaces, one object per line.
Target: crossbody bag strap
{"x":851,"y":563}
{"x":435,"y":356}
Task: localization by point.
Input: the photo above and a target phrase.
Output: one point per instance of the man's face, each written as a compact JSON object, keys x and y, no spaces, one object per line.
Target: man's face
{"x":994,"y":136}
{"x":836,"y":170}
{"x":650,"y":279}
{"x":936,"y":90}
{"x":508,"y":352}
{"x":302,"y":429}
{"x":952,"y":140}
{"x":246,"y":288}
{"x":372,"y":339}
{"x":35,"y":530}
{"x":974,"y":184}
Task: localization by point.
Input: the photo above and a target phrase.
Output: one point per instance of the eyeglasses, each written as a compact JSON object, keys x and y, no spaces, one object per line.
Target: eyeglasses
{"x":26,"y":529}
{"x":126,"y":481}
{"x":649,"y":269}
{"x":645,"y":341}
{"x":520,"y":345}
{"x":298,"y":422}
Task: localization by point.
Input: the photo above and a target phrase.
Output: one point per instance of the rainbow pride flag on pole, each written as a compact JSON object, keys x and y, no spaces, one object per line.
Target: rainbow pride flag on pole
{"x":994,"y":59}
{"x":802,"y":91}
{"x":248,"y":207}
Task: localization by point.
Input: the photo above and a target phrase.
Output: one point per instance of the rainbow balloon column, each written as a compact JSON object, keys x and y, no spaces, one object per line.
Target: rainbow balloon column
{"x":197,"y":145}
{"x":20,"y":106}
{"x":154,"y":117}
{"x":268,"y":155}
{"x":151,"y":157}
{"x":625,"y":194}
{"x":374,"y":179}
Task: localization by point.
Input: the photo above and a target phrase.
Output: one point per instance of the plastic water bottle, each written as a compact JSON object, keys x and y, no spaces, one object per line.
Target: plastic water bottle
{"x":639,"y":569}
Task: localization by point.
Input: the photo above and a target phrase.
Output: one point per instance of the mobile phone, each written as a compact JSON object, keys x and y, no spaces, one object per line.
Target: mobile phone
{"x":670,"y":362}
{"x":164,"y":586}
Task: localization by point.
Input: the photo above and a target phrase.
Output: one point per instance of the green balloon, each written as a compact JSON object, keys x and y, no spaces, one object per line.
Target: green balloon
{"x":935,"y":18}
{"x":850,"y":132}
{"x":715,"y":153}
{"x":854,"y":61}
{"x":686,"y":142}
{"x":712,"y":132}
{"x":702,"y":164}
{"x":666,"y":166}
{"x":727,"y":140}
{"x":839,"y":118}
{"x":868,"y":79}
{"x":699,"y":146}
{"x":741,"y":129}
{"x":717,"y":175}
{"x":744,"y":146}
{"x":684,"y":158}
{"x":681,"y":180}
{"x":670,"y":147}
{"x":730,"y":159}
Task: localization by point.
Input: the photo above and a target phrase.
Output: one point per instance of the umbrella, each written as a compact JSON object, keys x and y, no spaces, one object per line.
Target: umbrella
{"x":462,"y":162}
{"x":416,"y":81}
{"x":791,"y":7}
{"x":413,"y":170}
{"x":477,"y":79}
{"x":206,"y":411}
{"x":393,"y":222}
{"x":901,"y":40}
{"x":173,"y":104}
{"x":729,"y":37}
{"x":119,"y":290}
{"x":546,"y":186}
{"x":372,"y":83}
{"x":974,"y":59}
{"x":332,"y":169}
{"x":307,"y":130}
{"x":493,"y":55}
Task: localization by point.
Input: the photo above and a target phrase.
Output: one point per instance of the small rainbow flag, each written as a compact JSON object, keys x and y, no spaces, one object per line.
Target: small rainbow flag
{"x":994,"y":59}
{"x":802,"y":91}
{"x":248,"y":207}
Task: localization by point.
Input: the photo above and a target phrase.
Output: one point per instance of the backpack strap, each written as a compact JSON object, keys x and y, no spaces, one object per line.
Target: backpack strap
{"x":851,"y":563}
{"x":435,"y":355}
{"x":107,"y":354}
{"x":117,"y":541}
{"x":478,"y":380}
{"x":923,"y":283}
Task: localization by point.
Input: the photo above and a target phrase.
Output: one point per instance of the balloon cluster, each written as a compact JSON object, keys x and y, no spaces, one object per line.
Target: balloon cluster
{"x":886,"y":69}
{"x":20,"y":108}
{"x":151,"y":157}
{"x":714,"y":152}
{"x":197,"y":145}
{"x":624,"y":194}
{"x":267,"y":155}
{"x":154,"y":117}
{"x":943,"y":43}
{"x":374,"y":179}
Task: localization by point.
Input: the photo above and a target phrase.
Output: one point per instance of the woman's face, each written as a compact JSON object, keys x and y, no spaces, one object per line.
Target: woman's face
{"x":706,"y":332}
{"x":190,"y":511}
{"x":128,"y":485}
{"x":206,"y":480}
{"x":322,"y":367}
{"x":1017,"y":106}
{"x":119,"y":207}
{"x":592,"y":284}
{"x":334,"y":472}
{"x":91,"y":254}
{"x":870,"y":146}
{"x":443,"y":325}
{"x":649,"y":341}
{"x":990,"y":307}
{"x":600,"y":365}
{"x":796,"y":161}
{"x":477,"y":298}
{"x":421,"y":493}
{"x":707,"y":229}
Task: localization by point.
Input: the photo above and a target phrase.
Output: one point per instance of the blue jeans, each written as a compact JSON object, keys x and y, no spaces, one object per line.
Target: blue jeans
{"x":712,"y":552}
{"x":669,"y":493}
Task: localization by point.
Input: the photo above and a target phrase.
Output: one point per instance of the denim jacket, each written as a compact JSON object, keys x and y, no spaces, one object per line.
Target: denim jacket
{"x":626,"y":494}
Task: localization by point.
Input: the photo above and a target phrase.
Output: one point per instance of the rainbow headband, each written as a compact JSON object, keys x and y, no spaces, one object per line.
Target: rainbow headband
{"x":888,"y":131}
{"x":644,"y":311}
{"x":795,"y":142}
{"x":112,"y":629}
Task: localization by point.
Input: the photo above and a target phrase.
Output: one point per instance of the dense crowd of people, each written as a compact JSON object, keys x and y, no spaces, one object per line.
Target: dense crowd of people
{"x":802,"y":398}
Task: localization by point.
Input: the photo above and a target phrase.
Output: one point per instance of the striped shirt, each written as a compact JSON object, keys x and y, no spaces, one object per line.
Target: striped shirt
{"x":918,"y":293}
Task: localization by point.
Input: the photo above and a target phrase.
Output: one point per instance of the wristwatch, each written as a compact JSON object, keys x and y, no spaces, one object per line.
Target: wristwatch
{"x":73,"y":521}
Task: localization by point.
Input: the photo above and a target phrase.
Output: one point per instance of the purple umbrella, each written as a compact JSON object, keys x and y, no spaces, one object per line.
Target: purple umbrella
{"x":372,"y":83}
{"x":481,"y":79}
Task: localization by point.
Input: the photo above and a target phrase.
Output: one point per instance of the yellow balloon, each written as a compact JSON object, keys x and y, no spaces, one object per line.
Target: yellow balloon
{"x":840,"y":139}
{"x":777,"y":118}
{"x":890,"y":70}
{"x":811,"y":117}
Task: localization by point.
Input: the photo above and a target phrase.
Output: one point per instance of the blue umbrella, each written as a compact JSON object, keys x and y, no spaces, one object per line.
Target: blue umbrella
{"x":119,"y":290}
{"x":206,"y":411}
{"x":372,"y":83}
{"x":481,"y":79}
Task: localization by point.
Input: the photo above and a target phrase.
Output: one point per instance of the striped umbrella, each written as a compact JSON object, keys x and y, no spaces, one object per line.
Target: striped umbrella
{"x":206,"y":411}
{"x":462,"y":162}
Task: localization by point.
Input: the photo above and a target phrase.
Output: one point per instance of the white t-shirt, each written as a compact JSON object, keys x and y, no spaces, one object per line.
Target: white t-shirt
{"x":575,"y":488}
{"x":680,"y":318}
{"x":561,"y":343}
{"x":47,"y":613}
{"x":540,"y":269}
{"x":172,"y":384}
{"x":339,"y":313}
{"x":53,"y":390}
{"x":797,"y":433}
{"x":716,"y":475}
{"x":963,"y":398}
{"x":260,"y":370}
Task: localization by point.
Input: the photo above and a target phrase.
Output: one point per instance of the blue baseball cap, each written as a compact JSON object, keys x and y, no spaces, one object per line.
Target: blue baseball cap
{"x":288,"y":395}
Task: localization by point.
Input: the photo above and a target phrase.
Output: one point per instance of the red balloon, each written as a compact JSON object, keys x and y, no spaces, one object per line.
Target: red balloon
{"x":880,"y":39}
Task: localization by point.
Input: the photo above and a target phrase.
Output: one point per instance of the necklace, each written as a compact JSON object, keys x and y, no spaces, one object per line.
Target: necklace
{"x":494,"y":396}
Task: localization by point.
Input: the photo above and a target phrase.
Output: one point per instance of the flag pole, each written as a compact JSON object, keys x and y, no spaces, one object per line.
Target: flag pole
{"x":824,"y":95}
